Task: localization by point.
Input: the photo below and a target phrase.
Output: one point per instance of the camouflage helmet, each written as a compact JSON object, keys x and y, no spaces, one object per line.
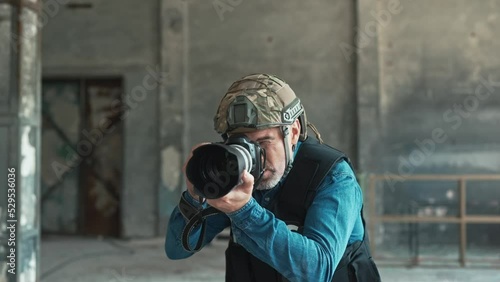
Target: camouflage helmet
{"x":259,"y":101}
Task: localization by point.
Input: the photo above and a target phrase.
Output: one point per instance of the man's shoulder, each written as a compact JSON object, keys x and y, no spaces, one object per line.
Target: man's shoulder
{"x":341,"y":176}
{"x":325,"y":152}
{"x":342,"y":168}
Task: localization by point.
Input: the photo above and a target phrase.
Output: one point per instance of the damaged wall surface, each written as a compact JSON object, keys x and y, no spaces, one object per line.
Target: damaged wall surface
{"x":377,"y":78}
{"x":429,"y":103}
{"x":20,"y":130}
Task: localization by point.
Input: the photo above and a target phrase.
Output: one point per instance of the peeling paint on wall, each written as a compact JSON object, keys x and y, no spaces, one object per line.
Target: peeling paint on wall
{"x":170,"y":158}
{"x":28,"y":182}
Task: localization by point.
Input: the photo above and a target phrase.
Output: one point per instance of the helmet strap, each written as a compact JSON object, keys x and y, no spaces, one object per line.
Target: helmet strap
{"x":316,"y":131}
{"x":289,"y":157}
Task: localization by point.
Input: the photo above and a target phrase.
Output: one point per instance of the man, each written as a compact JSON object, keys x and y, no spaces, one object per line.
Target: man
{"x":303,"y":221}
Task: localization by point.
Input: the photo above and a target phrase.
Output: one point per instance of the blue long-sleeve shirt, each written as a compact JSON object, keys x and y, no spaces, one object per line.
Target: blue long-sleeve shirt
{"x":333,"y":221}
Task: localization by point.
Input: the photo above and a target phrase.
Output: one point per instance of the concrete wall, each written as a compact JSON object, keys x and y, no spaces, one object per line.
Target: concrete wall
{"x":390,"y":97}
{"x":116,"y":38}
{"x":203,"y":49}
{"x":429,"y":100}
{"x":431,"y":65}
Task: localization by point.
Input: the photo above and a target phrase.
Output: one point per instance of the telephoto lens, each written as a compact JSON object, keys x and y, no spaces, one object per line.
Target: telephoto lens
{"x":215,"y":169}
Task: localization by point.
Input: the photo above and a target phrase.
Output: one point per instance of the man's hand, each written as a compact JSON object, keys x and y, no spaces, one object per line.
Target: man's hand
{"x":237,"y":198}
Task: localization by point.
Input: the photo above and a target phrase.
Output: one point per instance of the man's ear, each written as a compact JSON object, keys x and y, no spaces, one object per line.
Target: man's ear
{"x":295,"y":132}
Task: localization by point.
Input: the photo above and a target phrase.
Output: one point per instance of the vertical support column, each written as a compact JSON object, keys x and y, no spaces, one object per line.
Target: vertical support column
{"x":368,"y":85}
{"x":368,"y":88}
{"x":20,"y":131}
{"x":463,"y":223}
{"x":174,"y":143}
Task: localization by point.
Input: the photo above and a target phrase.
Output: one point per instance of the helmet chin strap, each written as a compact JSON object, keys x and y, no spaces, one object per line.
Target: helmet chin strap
{"x":288,"y":157}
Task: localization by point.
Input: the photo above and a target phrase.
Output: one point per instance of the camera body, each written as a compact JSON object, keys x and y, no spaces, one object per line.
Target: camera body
{"x":215,"y":169}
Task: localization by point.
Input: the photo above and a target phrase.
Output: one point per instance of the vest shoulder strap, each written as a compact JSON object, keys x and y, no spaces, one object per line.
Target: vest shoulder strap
{"x":312,"y":163}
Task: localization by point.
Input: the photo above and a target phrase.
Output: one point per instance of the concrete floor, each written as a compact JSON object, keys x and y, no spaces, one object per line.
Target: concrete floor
{"x":78,"y":259}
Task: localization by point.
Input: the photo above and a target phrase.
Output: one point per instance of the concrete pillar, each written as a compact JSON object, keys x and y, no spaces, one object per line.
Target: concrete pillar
{"x":20,"y":126}
{"x":366,"y":48}
{"x":174,"y":143}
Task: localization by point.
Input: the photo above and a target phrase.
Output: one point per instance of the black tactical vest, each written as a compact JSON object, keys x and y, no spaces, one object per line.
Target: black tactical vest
{"x":312,"y":163}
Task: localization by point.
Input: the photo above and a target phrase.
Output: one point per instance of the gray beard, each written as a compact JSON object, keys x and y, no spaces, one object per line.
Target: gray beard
{"x":269,"y":184}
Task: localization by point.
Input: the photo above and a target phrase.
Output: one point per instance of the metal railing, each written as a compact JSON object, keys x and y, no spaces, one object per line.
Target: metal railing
{"x":462,"y":218}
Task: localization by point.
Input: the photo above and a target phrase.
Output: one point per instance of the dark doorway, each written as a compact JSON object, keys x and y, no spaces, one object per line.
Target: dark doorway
{"x":82,"y":159}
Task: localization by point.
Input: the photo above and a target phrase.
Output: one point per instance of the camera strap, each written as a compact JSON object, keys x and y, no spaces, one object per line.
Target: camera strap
{"x":194,"y":217}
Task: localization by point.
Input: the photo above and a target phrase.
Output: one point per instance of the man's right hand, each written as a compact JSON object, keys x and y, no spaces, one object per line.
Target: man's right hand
{"x":189,"y":185}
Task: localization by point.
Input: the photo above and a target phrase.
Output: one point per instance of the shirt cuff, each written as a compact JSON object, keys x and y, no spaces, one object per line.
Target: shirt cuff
{"x":250,"y":213}
{"x":192,"y":200}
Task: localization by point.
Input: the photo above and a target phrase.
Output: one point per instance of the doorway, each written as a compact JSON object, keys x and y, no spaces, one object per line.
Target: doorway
{"x":82,"y":156}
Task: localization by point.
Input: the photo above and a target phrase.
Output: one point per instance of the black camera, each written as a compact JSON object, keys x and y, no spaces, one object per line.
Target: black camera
{"x":215,"y":169}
